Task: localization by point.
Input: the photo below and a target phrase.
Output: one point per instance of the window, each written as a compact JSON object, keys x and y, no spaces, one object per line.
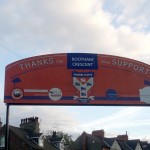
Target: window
{"x":2,"y":141}
{"x":36,"y":140}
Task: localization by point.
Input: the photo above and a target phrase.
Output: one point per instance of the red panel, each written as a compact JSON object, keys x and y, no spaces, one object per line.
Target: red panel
{"x":100,"y":80}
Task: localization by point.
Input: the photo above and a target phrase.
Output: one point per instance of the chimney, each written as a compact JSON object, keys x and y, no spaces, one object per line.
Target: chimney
{"x":54,"y":134}
{"x":123,"y":137}
{"x":84,"y":140}
{"x":99,"y":133}
{"x":0,"y":123}
{"x":30,"y":124}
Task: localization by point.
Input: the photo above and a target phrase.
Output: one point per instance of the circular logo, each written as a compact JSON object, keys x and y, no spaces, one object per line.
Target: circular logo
{"x":17,"y":93}
{"x":55,"y":94}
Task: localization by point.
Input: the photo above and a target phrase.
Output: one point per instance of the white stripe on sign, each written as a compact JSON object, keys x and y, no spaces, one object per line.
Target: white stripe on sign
{"x":35,"y":90}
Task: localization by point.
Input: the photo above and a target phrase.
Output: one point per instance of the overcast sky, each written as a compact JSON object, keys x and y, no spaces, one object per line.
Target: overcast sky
{"x":115,"y":27}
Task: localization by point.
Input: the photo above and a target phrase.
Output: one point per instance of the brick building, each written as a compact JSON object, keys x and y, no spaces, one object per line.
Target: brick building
{"x":28,"y":137}
{"x":98,"y":141}
{"x":89,"y":142}
{"x":25,"y":137}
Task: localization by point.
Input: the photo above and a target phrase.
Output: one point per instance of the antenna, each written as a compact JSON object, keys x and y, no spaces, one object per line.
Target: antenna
{"x":19,"y":56}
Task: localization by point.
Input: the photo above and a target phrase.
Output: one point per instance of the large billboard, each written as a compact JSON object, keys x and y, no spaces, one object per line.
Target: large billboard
{"x":77,"y":79}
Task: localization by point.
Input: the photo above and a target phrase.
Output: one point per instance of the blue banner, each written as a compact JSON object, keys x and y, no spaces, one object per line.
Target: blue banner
{"x":82,"y":61}
{"x":83,"y":74}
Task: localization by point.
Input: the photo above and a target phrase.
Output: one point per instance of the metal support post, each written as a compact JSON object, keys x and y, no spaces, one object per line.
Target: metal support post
{"x":7,"y":129}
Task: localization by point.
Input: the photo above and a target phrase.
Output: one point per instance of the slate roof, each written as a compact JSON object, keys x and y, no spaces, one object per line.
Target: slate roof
{"x":133,"y":143}
{"x":49,"y":145}
{"x":145,"y":145}
{"x":109,"y":141}
{"x":54,"y":139}
{"x":92,"y":142}
{"x":34,"y":135}
{"x":123,"y":145}
{"x":23,"y":135}
{"x":27,"y":136}
{"x":97,"y":143}
{"x":96,"y":140}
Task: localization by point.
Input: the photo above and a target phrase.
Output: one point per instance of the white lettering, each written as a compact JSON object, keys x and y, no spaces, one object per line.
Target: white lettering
{"x":130,"y":65}
{"x":125,"y":63}
{"x":119,"y":63}
{"x":141,"y":69}
{"x":33,"y":64}
{"x":114,"y":62}
{"x":83,"y":75}
{"x":21,"y":65}
{"x":135,"y":67}
{"x":36,"y":63}
{"x":147,"y":70}
{"x":82,"y":64}
{"x":82,"y":59}
{"x":27,"y":64}
{"x":45,"y":62}
{"x":51,"y":61}
{"x":39,"y":62}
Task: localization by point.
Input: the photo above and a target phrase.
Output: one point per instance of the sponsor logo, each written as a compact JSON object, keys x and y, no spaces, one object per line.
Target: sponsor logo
{"x":55,"y":94}
{"x":17,"y":93}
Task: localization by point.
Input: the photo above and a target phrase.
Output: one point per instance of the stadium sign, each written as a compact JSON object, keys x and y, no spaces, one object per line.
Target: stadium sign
{"x":77,"y":79}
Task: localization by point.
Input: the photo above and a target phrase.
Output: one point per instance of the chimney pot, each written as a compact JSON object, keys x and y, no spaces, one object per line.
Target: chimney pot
{"x":122,"y":137}
{"x":30,"y":124}
{"x":99,"y":133}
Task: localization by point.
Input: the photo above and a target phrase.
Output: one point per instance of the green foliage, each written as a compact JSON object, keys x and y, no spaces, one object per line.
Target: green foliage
{"x":66,"y":136}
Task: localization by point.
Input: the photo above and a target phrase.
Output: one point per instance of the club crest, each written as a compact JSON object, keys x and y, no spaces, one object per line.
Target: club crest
{"x":83,"y":82}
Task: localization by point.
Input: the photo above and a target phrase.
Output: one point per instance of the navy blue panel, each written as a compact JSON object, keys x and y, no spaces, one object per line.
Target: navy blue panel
{"x":83,"y":74}
{"x":71,"y":98}
{"x":82,"y":61}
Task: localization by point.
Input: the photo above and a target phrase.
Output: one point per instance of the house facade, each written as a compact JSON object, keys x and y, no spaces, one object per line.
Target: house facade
{"x":28,"y":137}
{"x":98,"y":141}
{"x":115,"y":146}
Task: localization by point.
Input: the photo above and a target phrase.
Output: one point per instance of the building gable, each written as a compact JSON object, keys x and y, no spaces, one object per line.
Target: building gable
{"x":115,"y":146}
{"x":138,"y":147}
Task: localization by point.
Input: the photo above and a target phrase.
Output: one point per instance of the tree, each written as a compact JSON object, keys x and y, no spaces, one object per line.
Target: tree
{"x":66,"y":136}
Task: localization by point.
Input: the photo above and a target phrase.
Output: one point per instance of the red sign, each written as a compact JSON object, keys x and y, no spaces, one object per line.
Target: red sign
{"x":77,"y":79}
